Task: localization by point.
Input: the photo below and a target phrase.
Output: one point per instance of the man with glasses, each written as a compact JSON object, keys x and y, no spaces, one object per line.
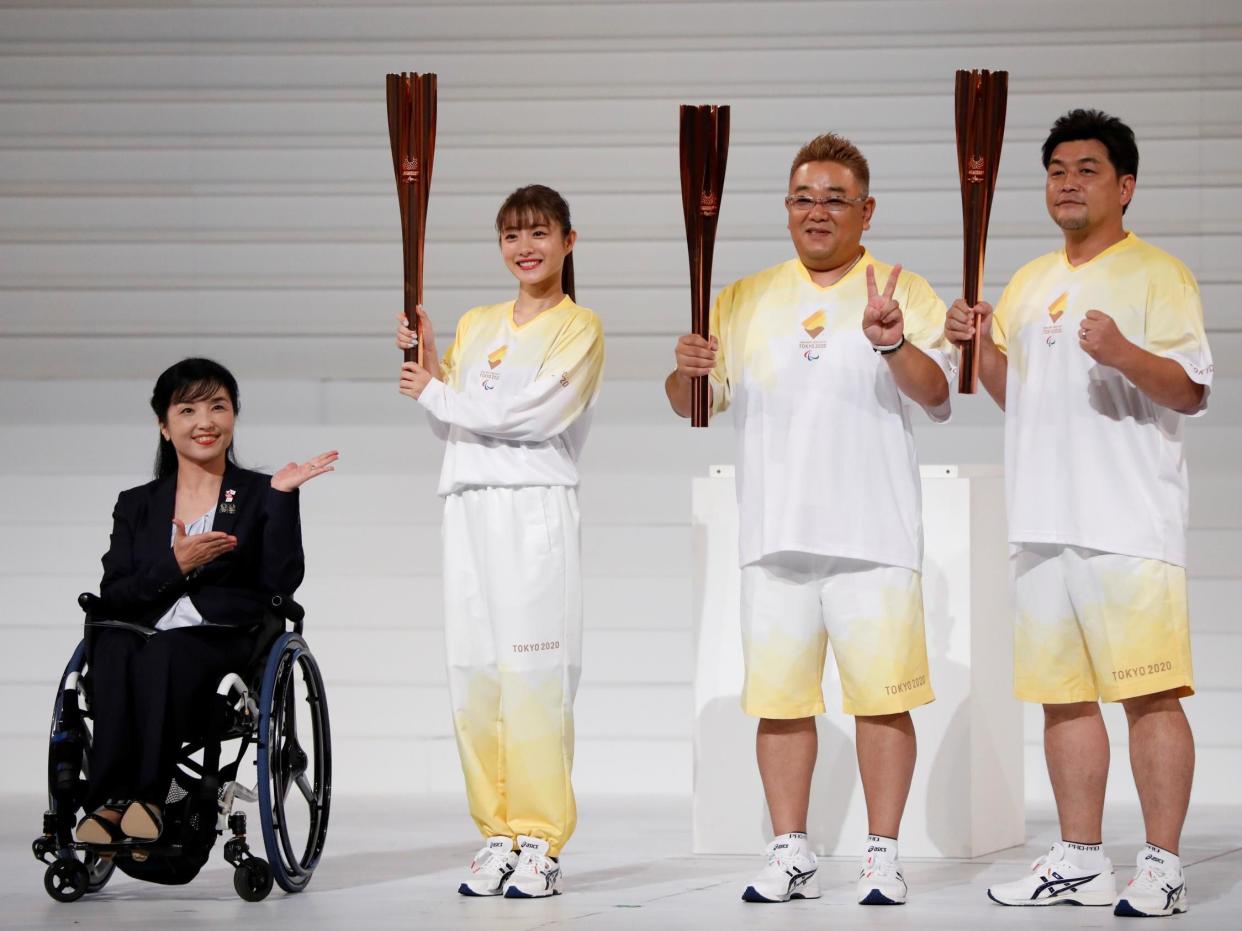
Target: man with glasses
{"x":1097,"y":354}
{"x":820,"y":366}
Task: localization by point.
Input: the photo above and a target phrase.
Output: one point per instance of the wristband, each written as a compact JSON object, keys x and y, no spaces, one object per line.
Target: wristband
{"x":889,"y":350}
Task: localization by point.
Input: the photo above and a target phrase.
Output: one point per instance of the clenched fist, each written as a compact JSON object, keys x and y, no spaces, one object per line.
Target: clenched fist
{"x":1100,"y":338}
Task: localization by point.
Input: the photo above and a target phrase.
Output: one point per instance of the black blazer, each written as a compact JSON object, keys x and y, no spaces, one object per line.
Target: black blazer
{"x":142,"y":580}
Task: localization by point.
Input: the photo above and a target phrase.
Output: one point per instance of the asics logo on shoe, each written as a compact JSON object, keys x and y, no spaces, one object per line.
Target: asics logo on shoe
{"x":550,"y":877}
{"x":1059,"y":886}
{"x":1153,"y":858}
{"x":781,"y":847}
{"x":1171,"y":892}
{"x":798,"y":879}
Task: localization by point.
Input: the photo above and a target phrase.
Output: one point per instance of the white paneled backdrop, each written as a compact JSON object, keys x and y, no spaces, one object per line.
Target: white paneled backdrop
{"x":214,"y":178}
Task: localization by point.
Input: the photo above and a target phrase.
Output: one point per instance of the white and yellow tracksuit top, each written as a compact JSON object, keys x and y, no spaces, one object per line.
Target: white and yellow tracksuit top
{"x":515,"y":401}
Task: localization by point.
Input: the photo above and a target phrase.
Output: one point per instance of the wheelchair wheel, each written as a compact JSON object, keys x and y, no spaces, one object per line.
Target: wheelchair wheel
{"x":66,"y":880}
{"x":68,"y":769}
{"x":295,"y":763}
{"x":252,"y":880}
{"x":69,"y":750}
{"x":98,"y":871}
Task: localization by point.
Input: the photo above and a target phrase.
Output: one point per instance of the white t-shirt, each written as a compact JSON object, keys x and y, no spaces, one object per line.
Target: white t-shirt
{"x":826,"y":460}
{"x":1090,"y":460}
{"x":515,"y":402}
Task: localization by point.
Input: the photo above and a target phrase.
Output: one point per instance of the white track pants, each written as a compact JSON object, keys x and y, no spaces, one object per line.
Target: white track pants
{"x":513,"y":630}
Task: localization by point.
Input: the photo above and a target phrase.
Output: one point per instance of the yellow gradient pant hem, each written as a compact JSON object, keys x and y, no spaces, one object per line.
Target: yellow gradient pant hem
{"x":896,"y":704}
{"x":513,"y":639}
{"x":782,"y":712}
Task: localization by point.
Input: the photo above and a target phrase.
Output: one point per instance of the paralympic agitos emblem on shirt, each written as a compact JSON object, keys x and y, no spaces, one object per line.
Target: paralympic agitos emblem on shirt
{"x":814,"y":325}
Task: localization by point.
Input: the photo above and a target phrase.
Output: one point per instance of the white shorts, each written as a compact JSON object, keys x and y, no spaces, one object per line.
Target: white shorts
{"x":794,"y":604}
{"x":1094,"y":625}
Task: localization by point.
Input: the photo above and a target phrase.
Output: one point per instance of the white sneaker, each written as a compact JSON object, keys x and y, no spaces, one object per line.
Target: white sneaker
{"x":880,"y":881}
{"x":1155,"y":889}
{"x":536,"y":874}
{"x":490,"y":868}
{"x":1055,"y":881}
{"x":789,"y":874}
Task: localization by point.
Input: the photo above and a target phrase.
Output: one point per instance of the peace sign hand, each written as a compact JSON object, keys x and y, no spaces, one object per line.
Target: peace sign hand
{"x":883,"y":323}
{"x":293,"y":475}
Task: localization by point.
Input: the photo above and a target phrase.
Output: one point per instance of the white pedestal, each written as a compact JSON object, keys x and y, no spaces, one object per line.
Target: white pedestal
{"x":967,"y":795}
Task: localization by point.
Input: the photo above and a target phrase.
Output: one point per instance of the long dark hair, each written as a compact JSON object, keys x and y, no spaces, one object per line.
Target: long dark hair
{"x":189,"y":380}
{"x":537,"y":203}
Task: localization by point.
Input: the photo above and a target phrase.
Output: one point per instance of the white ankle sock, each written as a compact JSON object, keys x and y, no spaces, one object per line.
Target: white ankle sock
{"x":795,"y":841}
{"x":1085,"y":856}
{"x":882,"y":846}
{"x":1167,"y":861}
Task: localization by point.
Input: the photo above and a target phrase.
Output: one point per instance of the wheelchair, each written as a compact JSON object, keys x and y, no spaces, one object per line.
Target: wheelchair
{"x":280,"y":708}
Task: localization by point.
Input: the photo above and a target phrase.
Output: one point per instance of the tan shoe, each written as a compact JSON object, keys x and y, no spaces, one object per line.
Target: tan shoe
{"x":142,"y":821}
{"x":96,"y":829}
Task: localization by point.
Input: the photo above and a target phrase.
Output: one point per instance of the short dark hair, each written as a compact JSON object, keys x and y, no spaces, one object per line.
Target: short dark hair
{"x":188,"y":380}
{"x":833,"y":148}
{"x":1112,"y":133}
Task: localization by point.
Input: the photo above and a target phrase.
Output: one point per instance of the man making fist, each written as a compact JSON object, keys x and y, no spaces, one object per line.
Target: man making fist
{"x":1097,"y":352}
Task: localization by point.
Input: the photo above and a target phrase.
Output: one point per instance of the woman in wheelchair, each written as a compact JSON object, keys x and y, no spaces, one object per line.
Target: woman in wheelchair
{"x":194,"y":560}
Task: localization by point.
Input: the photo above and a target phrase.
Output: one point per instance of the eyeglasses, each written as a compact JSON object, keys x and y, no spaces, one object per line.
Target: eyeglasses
{"x":803,"y":203}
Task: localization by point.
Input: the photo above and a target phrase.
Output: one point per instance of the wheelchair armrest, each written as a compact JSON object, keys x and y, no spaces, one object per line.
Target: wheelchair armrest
{"x":289,"y":610}
{"x":282,"y":606}
{"x":93,"y":606}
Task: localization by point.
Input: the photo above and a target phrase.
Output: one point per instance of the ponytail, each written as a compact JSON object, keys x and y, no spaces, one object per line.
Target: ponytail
{"x":567,"y":277}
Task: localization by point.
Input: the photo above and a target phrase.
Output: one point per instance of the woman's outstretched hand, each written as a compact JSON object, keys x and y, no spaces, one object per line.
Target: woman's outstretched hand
{"x":294,"y":475}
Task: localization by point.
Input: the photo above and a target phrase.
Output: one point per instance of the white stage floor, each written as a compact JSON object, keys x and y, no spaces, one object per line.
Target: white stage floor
{"x":395,"y":863}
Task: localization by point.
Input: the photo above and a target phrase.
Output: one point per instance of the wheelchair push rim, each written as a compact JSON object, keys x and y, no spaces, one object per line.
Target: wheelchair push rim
{"x":295,"y":782}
